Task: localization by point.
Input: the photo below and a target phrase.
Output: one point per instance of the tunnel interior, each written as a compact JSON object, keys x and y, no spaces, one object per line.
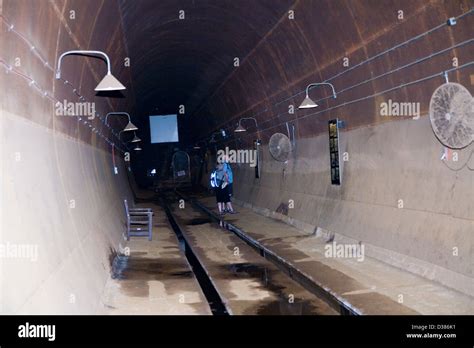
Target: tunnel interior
{"x":367,"y":166}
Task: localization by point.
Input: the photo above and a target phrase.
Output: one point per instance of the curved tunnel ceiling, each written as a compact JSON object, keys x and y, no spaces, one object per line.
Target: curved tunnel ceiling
{"x":182,"y":61}
{"x":190,"y":61}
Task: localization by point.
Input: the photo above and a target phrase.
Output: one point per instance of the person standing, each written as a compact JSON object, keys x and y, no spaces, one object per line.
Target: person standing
{"x":221,"y":188}
{"x":230,"y":181}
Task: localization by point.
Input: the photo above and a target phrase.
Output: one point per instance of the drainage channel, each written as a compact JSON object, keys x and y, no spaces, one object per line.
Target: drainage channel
{"x":215,"y":301}
{"x":305,"y":281}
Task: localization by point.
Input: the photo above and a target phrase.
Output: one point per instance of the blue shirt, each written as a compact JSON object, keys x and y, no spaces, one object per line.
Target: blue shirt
{"x":228,"y":170}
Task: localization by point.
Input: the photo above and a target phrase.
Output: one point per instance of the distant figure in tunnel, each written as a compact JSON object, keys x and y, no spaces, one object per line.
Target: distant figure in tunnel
{"x":230,"y":180}
{"x":219,"y":176}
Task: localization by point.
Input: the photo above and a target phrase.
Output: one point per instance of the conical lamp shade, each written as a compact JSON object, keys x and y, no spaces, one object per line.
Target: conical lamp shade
{"x":137,"y":148}
{"x":130,"y":127}
{"x":240,"y":129}
{"x":136,"y":139}
{"x":307,"y":104}
{"x":109,"y":83}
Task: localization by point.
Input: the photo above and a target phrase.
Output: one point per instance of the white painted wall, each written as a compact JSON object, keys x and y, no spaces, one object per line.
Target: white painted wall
{"x":73,"y":244}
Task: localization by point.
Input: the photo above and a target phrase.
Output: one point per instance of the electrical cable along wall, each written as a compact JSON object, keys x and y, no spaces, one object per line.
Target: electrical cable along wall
{"x":399,"y":69}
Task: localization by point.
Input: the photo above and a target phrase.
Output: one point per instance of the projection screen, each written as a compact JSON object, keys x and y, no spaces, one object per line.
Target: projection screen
{"x":163,"y":129}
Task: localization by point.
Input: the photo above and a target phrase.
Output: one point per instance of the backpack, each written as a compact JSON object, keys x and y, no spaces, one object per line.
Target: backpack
{"x":215,"y":179}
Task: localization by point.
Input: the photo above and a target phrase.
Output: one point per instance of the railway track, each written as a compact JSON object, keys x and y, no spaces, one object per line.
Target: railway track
{"x":238,"y":275}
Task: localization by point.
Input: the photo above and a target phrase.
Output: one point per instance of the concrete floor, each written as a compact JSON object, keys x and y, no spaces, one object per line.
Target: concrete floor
{"x":371,"y":286}
{"x":158,"y":279}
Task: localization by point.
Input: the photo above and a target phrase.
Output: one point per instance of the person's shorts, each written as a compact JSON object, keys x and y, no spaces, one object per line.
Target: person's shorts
{"x":231,"y":189}
{"x":222,"y":194}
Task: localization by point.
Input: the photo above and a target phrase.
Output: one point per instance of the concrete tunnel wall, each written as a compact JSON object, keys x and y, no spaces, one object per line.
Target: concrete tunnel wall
{"x":390,"y":158}
{"x":59,"y":191}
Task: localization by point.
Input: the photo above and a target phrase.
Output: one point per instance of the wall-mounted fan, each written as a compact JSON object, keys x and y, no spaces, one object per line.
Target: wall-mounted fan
{"x":452,"y":115}
{"x":279,"y":147}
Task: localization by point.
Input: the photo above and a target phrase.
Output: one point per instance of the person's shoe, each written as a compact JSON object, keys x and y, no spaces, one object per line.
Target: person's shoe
{"x":222,"y":213}
{"x":233,"y":212}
